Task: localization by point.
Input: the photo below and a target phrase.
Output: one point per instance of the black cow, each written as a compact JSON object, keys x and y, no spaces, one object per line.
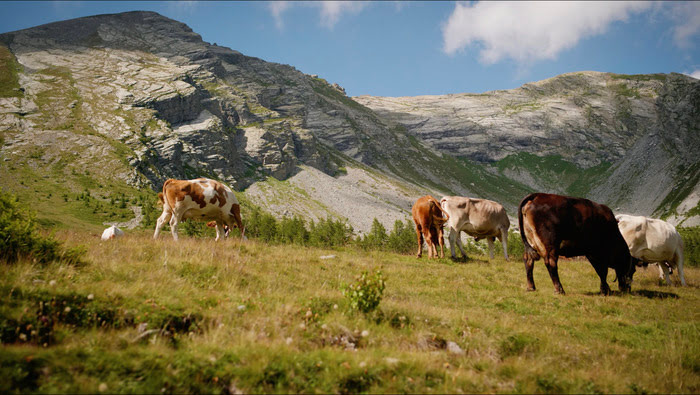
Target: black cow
{"x":554,"y":225}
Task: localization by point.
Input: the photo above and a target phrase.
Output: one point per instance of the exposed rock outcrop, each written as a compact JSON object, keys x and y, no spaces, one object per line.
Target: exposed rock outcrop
{"x":138,"y":98}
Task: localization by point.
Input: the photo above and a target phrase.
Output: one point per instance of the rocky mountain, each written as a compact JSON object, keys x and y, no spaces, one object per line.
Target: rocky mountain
{"x":634,"y":138}
{"x":119,"y":103}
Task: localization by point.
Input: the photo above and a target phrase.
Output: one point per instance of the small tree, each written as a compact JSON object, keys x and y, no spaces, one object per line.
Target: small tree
{"x":292,"y":230}
{"x":402,"y":238}
{"x":366,"y":293}
{"x":329,"y":233}
{"x":376,"y":238}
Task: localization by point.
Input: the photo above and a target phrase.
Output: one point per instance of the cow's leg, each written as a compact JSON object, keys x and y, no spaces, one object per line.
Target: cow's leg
{"x":174,"y":221}
{"x":504,"y":242}
{"x":529,"y":266}
{"x":460,"y":245}
{"x":441,"y":240}
{"x":165,"y":217}
{"x":489,"y":240}
{"x":419,"y":236}
{"x":663,"y":272}
{"x":602,"y":269}
{"x":678,"y":260}
{"x":452,"y":242}
{"x":219,"y":230}
{"x":429,"y":239}
{"x":550,"y":260}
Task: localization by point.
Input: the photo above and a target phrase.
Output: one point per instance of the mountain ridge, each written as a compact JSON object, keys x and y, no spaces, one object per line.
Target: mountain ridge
{"x":143,"y":95}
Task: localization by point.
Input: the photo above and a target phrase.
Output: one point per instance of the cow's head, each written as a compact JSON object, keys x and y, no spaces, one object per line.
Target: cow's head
{"x":212,"y":224}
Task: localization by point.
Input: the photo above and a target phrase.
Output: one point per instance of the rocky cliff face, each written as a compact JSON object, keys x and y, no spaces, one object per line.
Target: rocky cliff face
{"x":641,"y":132}
{"x":178,"y":104}
{"x":135,"y":98}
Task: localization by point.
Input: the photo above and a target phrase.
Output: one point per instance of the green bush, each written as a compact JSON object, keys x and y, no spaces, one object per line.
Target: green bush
{"x":402,"y":238}
{"x":330,"y":233}
{"x":261,"y":225}
{"x":292,"y":230}
{"x":366,"y":293}
{"x":376,"y":239}
{"x":691,"y":245}
{"x":19,"y":238}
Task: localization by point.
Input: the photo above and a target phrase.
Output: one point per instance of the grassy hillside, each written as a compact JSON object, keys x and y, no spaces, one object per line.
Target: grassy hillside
{"x":197,"y":316}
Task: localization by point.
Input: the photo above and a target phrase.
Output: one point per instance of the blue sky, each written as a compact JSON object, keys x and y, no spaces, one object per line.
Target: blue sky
{"x":396,"y":48}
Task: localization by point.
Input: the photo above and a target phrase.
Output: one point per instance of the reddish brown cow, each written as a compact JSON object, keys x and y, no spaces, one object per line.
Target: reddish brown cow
{"x":428,"y":217}
{"x":554,"y":225}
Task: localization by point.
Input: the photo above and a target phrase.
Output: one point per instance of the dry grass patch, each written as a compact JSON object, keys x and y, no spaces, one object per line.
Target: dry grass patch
{"x":201,"y":316}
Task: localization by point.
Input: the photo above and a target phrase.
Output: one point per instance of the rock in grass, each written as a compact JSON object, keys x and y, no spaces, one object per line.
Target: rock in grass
{"x":454,"y":348}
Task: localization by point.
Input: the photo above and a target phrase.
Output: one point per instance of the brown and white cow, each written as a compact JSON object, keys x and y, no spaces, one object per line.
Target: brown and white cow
{"x":200,"y":199}
{"x":479,"y":218}
{"x":653,"y":241}
{"x":428,"y":218}
{"x":554,"y":225}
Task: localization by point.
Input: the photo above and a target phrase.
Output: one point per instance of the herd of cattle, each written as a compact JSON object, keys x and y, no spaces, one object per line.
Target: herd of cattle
{"x":550,"y":226}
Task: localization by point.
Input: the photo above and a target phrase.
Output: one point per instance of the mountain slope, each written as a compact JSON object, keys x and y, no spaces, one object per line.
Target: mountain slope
{"x":635,"y":138}
{"x":112,"y":105}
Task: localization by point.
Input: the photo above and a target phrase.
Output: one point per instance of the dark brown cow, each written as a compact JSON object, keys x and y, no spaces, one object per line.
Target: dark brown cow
{"x":554,"y":225}
{"x":428,"y":217}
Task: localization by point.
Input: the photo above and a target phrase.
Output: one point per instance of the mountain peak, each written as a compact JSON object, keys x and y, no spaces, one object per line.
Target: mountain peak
{"x":135,"y":30}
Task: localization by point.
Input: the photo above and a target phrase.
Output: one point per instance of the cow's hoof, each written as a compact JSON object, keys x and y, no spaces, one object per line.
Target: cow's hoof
{"x":531,"y":289}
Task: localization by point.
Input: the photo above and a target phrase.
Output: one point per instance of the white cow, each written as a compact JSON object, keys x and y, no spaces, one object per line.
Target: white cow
{"x":200,"y":199}
{"x":653,"y":241}
{"x":112,"y":232}
{"x":479,"y":218}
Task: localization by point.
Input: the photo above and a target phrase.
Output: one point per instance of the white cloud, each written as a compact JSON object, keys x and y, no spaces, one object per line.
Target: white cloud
{"x":529,"y":31}
{"x":330,"y":12}
{"x":277,"y":8}
{"x":686,"y":16}
{"x":182,"y":7}
{"x":695,"y":74}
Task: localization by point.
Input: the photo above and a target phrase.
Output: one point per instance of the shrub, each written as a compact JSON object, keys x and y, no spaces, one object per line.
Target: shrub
{"x":292,"y":230}
{"x":19,"y":237}
{"x":366,"y":293}
{"x":376,"y":238}
{"x":402,"y":238}
{"x":691,"y":245}
{"x":329,"y":233}
{"x":261,"y":225}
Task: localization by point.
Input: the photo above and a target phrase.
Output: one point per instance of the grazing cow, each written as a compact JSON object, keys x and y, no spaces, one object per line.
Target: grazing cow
{"x":201,"y":199}
{"x":112,"y":232}
{"x":428,"y":217}
{"x":554,"y":225}
{"x":480,"y":218}
{"x":653,"y":241}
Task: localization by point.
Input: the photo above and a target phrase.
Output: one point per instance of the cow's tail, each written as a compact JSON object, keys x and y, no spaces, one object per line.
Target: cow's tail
{"x":529,"y":251}
{"x":161,"y":195}
{"x":442,"y":219}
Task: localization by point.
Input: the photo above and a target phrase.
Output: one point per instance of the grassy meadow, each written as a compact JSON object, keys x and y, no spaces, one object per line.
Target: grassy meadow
{"x":151,"y":316}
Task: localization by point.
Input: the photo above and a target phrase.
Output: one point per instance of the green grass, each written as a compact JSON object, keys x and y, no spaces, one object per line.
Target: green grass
{"x":640,"y":77}
{"x":684,"y":183}
{"x":9,"y":68}
{"x":560,"y":173}
{"x":255,"y":318}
